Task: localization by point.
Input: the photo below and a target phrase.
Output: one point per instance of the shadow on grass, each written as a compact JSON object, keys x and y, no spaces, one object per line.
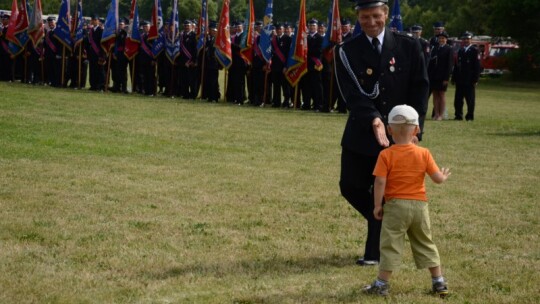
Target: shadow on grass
{"x":517,"y":134}
{"x":258,"y":267}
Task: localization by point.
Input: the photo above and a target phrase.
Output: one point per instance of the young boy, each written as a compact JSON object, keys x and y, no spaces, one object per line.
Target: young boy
{"x":399,"y":177}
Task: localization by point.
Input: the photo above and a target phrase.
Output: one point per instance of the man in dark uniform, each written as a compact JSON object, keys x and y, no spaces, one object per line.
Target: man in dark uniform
{"x":416,"y":31}
{"x":187,"y":62}
{"x":311,"y":82}
{"x":146,"y":62}
{"x":465,"y":76}
{"x":52,"y":55}
{"x":258,"y":65}
{"x":96,"y":55}
{"x":119,"y":60}
{"x":346,"y":32}
{"x":5,"y":56}
{"x":281,"y":45}
{"x":210,"y":88}
{"x":375,"y":71}
{"x":237,"y":72}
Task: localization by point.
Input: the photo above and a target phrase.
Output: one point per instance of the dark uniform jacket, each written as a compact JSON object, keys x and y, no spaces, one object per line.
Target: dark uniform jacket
{"x":188,"y":48}
{"x":402,"y":77}
{"x":440,"y":65}
{"x":467,"y":67}
{"x":314,"y":52}
{"x":283,"y":44}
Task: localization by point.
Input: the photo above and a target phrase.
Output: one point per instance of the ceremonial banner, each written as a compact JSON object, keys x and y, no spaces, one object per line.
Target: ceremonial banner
{"x":297,"y":61}
{"x":223,"y":38}
{"x":133,"y":40}
{"x":172,"y":39}
{"x":156,"y":33}
{"x":62,"y":31}
{"x":35,"y":26}
{"x":203,"y":25}
{"x":78,"y":26}
{"x":17,"y":34}
{"x":395,"y":18}
{"x":248,"y":39}
{"x":111,"y":26}
{"x":333,"y":36}
{"x":357,"y":29}
{"x":265,"y":40}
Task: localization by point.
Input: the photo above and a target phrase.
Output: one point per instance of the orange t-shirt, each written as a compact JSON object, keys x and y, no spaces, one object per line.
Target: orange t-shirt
{"x":405,"y":167}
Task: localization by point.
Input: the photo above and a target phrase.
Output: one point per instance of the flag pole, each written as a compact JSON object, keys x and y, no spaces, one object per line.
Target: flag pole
{"x":133,"y":75}
{"x":225,"y":83}
{"x":79,"y":62}
{"x":63,"y":63}
{"x":201,"y":88}
{"x":108,"y":73}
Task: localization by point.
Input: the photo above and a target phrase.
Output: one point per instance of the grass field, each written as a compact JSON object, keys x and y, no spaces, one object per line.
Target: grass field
{"x":123,"y":199}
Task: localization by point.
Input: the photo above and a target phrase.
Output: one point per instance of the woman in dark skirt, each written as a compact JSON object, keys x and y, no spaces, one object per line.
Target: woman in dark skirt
{"x":439,"y":71}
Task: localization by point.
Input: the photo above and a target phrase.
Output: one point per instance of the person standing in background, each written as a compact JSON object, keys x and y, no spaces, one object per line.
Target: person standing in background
{"x":465,"y":76}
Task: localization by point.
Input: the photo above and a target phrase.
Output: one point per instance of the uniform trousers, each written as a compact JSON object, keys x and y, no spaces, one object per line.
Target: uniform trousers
{"x":356,"y":185}
{"x":466,"y":91}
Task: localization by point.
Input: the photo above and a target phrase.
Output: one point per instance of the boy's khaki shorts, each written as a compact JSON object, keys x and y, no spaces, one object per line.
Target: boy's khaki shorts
{"x":412,"y":218}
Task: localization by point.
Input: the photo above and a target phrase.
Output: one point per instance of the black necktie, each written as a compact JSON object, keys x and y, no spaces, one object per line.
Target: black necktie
{"x":376,"y":45}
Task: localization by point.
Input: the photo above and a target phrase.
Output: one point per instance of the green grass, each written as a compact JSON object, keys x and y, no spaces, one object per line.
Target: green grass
{"x":123,"y":199}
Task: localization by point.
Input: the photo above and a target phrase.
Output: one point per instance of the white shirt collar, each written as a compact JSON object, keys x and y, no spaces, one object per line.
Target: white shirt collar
{"x":380,"y":37}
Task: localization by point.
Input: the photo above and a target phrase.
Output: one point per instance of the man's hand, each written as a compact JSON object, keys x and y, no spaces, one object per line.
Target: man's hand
{"x":378,"y":212}
{"x":380,"y":132}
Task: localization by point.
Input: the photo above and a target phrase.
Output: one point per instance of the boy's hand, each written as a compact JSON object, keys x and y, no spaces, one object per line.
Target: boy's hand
{"x":445,"y":172}
{"x":378,"y":212}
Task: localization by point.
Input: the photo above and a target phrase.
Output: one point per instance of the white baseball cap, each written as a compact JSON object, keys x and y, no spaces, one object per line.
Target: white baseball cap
{"x":403,"y":114}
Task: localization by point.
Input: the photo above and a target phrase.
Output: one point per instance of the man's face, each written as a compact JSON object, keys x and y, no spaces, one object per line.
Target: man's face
{"x":313,"y":27}
{"x":51,"y":24}
{"x":121,"y":25}
{"x":345,"y":28}
{"x":5,"y":21}
{"x":417,"y":34}
{"x":322,"y":30}
{"x":442,"y":40}
{"x":279,"y":30}
{"x":213,"y":32}
{"x":146,"y":28}
{"x":95,"y":22}
{"x":187,"y":28}
{"x":466,"y":41}
{"x":288,"y":31}
{"x":373,"y":19}
{"x":438,"y":30}
{"x":239,"y":28}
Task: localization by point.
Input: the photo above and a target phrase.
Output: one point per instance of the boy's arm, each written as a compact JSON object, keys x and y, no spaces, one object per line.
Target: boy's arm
{"x":440,"y":176}
{"x":378,"y":194}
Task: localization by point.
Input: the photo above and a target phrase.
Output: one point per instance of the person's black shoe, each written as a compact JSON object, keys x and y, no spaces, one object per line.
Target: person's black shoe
{"x":458,"y":118}
{"x":363,"y":262}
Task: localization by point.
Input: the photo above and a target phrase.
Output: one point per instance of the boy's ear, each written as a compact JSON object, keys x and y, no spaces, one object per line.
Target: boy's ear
{"x":389,"y":129}
{"x":416,"y":130}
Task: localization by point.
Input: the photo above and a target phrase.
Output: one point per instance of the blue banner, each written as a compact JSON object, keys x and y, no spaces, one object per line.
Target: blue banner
{"x":265,"y":40}
{"x":79,"y":29}
{"x":172,"y":39}
{"x":203,"y":22}
{"x":395,"y":19}
{"x":111,"y":26}
{"x":62,"y":30}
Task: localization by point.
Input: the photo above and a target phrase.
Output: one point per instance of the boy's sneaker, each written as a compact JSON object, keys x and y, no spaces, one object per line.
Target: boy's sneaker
{"x":376,"y":290}
{"x":440,"y":289}
{"x":364,"y":262}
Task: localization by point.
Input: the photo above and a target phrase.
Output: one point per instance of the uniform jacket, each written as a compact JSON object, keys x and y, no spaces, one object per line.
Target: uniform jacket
{"x":441,"y":63}
{"x":188,"y":48}
{"x":284,"y":45}
{"x":94,"y":34}
{"x":467,"y":67}
{"x":402,"y":76}
{"x":314,"y":51}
